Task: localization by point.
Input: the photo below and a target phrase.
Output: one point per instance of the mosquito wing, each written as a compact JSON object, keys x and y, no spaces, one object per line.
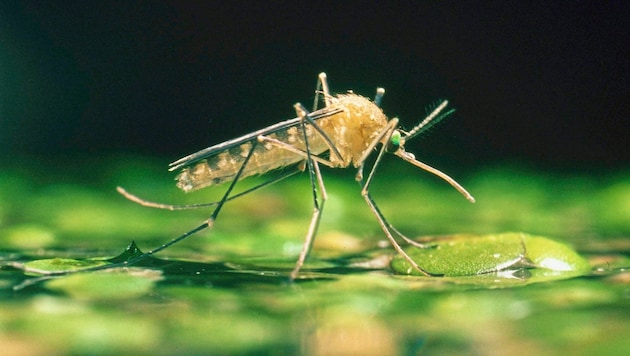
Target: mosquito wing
{"x":220,"y":163}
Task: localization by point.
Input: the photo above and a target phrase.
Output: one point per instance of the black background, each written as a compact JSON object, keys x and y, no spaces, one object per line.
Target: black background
{"x":540,"y":83}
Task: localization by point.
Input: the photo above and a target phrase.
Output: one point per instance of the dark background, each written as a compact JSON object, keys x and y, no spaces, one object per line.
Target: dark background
{"x":537,"y":83}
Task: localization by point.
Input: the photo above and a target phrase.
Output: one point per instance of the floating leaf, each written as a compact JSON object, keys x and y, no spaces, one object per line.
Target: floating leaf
{"x":61,"y":265}
{"x":468,"y":255}
{"x":555,"y":256}
{"x":56,"y":265}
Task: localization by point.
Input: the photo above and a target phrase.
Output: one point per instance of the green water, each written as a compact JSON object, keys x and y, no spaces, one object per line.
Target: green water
{"x":226,"y":291}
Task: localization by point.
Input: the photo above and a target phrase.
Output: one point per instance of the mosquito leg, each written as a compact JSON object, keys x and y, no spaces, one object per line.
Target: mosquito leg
{"x":385,"y":226}
{"x":312,"y":163}
{"x":322,"y":83}
{"x":386,"y":131}
{"x":301,"y":152}
{"x":407,"y":240}
{"x":206,"y":224}
{"x":131,"y":261}
{"x":318,"y":206}
{"x":210,"y":221}
{"x":291,"y":148}
{"x":318,"y":92}
{"x":303,"y":114}
{"x":136,"y":199}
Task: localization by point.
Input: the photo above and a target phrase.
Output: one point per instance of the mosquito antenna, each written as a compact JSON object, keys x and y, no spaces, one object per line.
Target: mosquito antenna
{"x":432,"y":119}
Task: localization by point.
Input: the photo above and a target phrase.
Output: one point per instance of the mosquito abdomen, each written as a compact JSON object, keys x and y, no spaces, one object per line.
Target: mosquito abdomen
{"x":266,"y":157}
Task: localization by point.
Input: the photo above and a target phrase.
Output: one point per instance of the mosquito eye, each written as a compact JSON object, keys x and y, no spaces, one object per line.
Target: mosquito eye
{"x":394,"y":142}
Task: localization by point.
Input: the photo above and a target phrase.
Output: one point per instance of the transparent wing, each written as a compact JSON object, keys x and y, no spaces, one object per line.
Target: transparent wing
{"x":227,"y":145}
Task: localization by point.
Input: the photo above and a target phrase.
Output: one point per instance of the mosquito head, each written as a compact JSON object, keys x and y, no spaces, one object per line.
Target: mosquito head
{"x":396,"y":142}
{"x":397,"y":139}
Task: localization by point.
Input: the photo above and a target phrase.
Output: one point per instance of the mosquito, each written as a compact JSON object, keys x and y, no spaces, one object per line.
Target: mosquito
{"x":345,"y":131}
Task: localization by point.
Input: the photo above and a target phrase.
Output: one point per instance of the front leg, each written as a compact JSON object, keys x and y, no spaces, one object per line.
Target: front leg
{"x":384,"y":136}
{"x":312,"y":165}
